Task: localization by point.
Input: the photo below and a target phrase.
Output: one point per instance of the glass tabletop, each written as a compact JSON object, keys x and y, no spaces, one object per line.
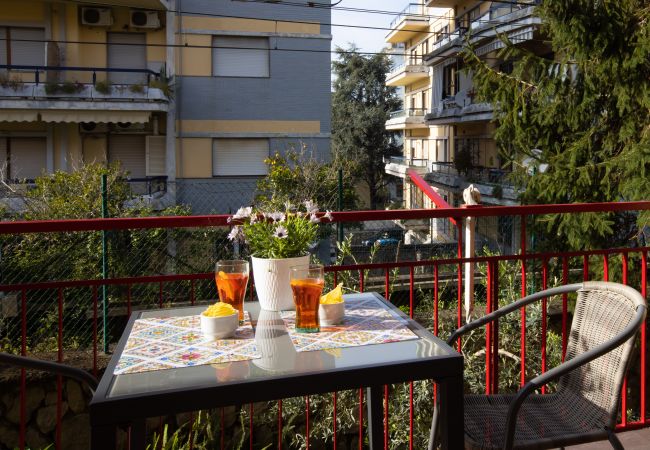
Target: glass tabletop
{"x":279,"y":357}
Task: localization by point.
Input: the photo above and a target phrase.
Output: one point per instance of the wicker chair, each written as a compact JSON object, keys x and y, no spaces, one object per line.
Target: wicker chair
{"x":585,"y":405}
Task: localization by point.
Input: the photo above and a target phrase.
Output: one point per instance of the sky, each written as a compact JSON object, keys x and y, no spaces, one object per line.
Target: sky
{"x":366,"y":40}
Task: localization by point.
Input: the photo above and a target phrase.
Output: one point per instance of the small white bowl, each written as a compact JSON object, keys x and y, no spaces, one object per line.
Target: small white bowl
{"x":220,"y":327}
{"x":331,"y":313}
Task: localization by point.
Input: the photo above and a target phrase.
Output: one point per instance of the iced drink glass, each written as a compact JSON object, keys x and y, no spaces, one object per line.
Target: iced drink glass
{"x":307,"y":286}
{"x":232,"y":277}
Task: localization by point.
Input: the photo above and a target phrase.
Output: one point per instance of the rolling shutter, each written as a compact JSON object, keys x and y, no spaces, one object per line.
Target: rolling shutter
{"x":131,"y":56}
{"x":235,"y":56}
{"x":156,"y":149}
{"x":239,"y":157}
{"x":3,"y":46}
{"x":25,"y":53}
{"x":28,"y":158}
{"x":129,"y":150}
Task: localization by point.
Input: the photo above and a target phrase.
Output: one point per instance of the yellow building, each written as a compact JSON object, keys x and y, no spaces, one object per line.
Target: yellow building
{"x":190,"y":101}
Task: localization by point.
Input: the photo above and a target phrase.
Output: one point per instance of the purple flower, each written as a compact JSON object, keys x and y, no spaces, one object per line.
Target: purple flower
{"x":236,"y":234}
{"x":281,"y":232}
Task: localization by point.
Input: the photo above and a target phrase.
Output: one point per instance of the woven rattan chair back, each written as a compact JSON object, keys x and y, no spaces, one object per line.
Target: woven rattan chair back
{"x":602,"y":311}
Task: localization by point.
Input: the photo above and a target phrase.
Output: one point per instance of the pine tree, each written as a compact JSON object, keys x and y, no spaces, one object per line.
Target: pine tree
{"x":578,"y":117}
{"x":361,"y":105}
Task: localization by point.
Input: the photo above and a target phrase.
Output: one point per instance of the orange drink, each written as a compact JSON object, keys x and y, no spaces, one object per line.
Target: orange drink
{"x":307,"y":286}
{"x":232,"y":279}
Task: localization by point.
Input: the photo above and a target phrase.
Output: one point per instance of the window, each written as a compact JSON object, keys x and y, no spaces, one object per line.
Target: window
{"x":127,"y":51}
{"x":449,"y":81}
{"x":236,"y":56}
{"x":239,"y":157}
{"x":23,"y":158}
{"x":22,"y":46}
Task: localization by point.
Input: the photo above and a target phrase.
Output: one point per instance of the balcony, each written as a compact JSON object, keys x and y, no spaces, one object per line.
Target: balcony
{"x":58,"y":314}
{"x":407,"y":24}
{"x":447,"y":46}
{"x":491,"y":182}
{"x":459,"y":108}
{"x":72,"y":101}
{"x":413,"y":70}
{"x":399,"y":165}
{"x":407,"y":119}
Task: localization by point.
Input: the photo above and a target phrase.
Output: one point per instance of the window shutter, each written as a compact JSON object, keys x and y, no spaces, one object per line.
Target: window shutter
{"x":27,"y":53}
{"x":156,"y":149}
{"x":131,"y":56}
{"x":129,"y":150}
{"x":3,"y":45}
{"x":235,"y":56}
{"x":28,"y":157}
{"x":239,"y":157}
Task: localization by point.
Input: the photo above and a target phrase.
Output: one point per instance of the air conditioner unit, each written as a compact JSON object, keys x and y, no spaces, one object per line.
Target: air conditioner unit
{"x":144,"y":19}
{"x":130,"y":126}
{"x":97,"y":17}
{"x":92,"y":127}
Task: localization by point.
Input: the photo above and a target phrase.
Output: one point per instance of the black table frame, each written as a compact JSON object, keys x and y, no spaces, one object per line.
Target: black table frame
{"x":107,"y":413}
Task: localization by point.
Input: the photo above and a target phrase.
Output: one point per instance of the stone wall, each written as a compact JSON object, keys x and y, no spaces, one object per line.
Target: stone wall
{"x":41,"y":413}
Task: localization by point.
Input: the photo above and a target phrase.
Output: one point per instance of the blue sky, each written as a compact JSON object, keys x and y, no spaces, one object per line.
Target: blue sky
{"x":367,"y":40}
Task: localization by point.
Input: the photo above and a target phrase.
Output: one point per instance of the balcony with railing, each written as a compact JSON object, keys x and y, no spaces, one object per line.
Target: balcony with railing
{"x":407,"y":119}
{"x":492,"y":182}
{"x":399,"y":165}
{"x":35,"y":92}
{"x":413,"y":69}
{"x":57,"y":306}
{"x":459,"y":108}
{"x":411,"y":20}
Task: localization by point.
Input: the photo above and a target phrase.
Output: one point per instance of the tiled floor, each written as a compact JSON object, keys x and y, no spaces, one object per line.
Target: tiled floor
{"x":631,"y":440}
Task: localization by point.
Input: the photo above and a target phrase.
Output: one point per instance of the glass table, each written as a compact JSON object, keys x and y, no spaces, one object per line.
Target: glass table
{"x":281,"y":372}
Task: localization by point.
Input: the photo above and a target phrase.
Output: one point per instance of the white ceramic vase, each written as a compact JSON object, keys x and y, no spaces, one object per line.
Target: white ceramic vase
{"x":272,"y":281}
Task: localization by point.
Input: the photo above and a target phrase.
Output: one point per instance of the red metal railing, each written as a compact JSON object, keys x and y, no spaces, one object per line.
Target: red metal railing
{"x":533,"y":267}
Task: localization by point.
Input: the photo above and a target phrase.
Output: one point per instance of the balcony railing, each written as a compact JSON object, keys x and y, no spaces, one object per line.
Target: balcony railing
{"x":411,"y":162}
{"x":489,"y":175}
{"x":411,"y":112}
{"x":412,"y":11}
{"x":57,"y":312}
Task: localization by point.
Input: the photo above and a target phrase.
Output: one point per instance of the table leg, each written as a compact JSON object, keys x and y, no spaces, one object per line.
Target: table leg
{"x":137,"y":434}
{"x":102,"y":437}
{"x":375,"y":417}
{"x":451,"y":413}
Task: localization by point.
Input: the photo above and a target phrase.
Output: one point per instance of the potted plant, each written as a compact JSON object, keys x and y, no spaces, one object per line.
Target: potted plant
{"x":278,"y":240}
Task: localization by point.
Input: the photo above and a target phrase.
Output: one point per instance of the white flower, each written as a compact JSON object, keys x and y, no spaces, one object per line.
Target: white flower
{"x":288,"y":206}
{"x":313,"y":218}
{"x":236,"y":234}
{"x":328,"y":215}
{"x":281,"y":232}
{"x":243,"y":213}
{"x":312,"y":207}
{"x":277,"y":217}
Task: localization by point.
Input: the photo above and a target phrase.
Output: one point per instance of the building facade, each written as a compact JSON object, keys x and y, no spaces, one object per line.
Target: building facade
{"x":469,"y":154}
{"x":190,"y":97}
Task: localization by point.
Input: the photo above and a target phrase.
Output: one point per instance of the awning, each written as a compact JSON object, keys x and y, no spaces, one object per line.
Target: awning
{"x":95,"y":116}
{"x":18,"y":115}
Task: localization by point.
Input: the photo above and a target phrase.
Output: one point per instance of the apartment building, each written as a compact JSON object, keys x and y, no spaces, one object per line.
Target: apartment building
{"x":469,"y":155}
{"x":190,"y":97}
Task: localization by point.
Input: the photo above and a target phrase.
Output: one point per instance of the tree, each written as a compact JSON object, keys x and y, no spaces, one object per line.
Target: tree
{"x":361,"y":105}
{"x":578,"y":117}
{"x":296,"y":177}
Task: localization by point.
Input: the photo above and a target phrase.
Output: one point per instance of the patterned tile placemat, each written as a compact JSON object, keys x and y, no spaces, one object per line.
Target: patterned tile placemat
{"x":173,"y":342}
{"x":367,"y":321}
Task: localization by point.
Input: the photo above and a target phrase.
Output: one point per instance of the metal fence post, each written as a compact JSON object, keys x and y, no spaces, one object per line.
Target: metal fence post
{"x":104,"y":262}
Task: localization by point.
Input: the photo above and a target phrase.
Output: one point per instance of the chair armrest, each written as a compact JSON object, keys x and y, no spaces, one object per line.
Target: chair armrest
{"x":566,"y":367}
{"x":49,"y":366}
{"x":512,"y":307}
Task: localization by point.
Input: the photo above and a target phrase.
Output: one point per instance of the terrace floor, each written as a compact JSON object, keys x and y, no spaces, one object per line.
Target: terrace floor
{"x":631,"y":440}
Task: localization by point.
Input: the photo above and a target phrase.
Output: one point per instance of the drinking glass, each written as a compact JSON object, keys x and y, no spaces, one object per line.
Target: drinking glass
{"x":307,"y":286}
{"x":232,"y":277}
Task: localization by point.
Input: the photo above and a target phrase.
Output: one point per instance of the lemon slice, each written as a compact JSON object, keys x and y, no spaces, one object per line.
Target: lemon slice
{"x":219,"y":309}
{"x":333,"y":296}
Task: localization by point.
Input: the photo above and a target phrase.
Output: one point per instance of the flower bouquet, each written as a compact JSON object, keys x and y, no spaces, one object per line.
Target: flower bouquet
{"x":278,"y":240}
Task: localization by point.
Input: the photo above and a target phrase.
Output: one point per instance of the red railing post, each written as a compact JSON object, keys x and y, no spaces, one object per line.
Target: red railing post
{"x":334,"y":405}
{"x":565,"y":312}
{"x":544,"y":318}
{"x":459,"y":284}
{"x":522,"y":380}
{"x":23,"y":373}
{"x":59,"y":378}
{"x":495,"y":331}
{"x":644,"y":293}
{"x":488,"y":333}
